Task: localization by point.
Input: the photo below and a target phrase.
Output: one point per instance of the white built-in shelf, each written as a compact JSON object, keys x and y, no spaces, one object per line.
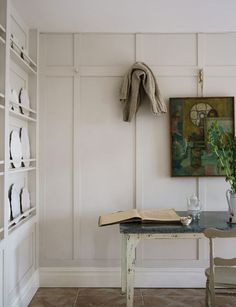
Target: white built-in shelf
{"x":21,"y":106}
{"x":21,"y":169}
{"x":2,"y":41}
{"x":22,"y":116}
{"x":2,"y":107}
{"x":1,"y":162}
{"x":21,"y":219}
{"x":2,"y":29}
{"x":21,"y":62}
{"x":1,"y":230}
{"x":2,"y":95}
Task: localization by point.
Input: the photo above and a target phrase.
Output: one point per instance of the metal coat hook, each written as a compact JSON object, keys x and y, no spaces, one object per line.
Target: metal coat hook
{"x":201,"y":79}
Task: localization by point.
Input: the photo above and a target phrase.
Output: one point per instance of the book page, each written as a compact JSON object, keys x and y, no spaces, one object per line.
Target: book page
{"x":119,"y":216}
{"x":165,"y":215}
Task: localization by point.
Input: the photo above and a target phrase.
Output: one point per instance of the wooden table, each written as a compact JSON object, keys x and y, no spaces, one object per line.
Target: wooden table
{"x":132,"y":233}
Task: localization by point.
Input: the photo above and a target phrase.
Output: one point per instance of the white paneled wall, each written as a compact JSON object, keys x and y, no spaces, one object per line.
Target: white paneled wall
{"x":92,"y":162}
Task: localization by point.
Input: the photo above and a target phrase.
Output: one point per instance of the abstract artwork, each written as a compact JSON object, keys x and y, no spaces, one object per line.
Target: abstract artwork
{"x":190,"y":119}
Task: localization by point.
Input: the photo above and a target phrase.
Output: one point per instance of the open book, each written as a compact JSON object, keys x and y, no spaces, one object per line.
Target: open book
{"x":143,"y":216}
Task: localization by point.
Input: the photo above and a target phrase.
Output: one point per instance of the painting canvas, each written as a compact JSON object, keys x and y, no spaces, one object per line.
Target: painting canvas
{"x":190,"y":119}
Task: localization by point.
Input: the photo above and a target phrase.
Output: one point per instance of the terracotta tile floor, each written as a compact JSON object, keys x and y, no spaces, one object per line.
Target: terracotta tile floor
{"x":111,"y":297}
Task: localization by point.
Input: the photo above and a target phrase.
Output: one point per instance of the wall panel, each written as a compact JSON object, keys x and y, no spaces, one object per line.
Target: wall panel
{"x":169,"y":49}
{"x":58,"y":181}
{"x":106,"y":155}
{"x":59,"y":50}
{"x":220,"y":49}
{"x":105,"y":49}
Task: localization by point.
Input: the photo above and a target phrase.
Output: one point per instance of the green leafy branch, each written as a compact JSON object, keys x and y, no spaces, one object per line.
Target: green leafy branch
{"x":223,"y":144}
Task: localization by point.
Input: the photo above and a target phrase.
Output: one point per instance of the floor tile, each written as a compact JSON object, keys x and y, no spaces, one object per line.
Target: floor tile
{"x":43,"y":291}
{"x":172,"y":292}
{"x":58,"y":297}
{"x":225,"y":301}
{"x":53,"y":301}
{"x":103,"y":291}
{"x":107,"y":301}
{"x":174,"y":301}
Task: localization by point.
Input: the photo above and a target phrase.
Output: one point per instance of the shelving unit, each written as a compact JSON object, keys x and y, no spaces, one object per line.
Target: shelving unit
{"x":19,"y":57}
{"x":23,"y":75}
{"x":18,"y":69}
{"x":3,"y":60}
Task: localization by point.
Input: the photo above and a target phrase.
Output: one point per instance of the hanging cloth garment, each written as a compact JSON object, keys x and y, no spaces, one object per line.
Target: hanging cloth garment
{"x":140,"y":81}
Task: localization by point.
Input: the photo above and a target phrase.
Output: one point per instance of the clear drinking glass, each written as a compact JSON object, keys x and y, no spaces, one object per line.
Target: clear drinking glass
{"x":194,"y":207}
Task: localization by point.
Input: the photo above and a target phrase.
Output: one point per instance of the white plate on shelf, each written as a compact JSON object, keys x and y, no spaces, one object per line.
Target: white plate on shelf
{"x":15,"y":149}
{"x":24,"y":137}
{"x":15,"y":201}
{"x":24,"y":100}
{"x":25,"y":200}
{"x":9,"y":209}
{"x":14,"y":100}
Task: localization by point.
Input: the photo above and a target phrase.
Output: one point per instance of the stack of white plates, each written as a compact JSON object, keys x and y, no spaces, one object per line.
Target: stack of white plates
{"x":14,"y":100}
{"x":18,"y":202}
{"x":24,"y":100}
{"x":24,"y":137}
{"x":14,"y":197}
{"x":15,"y":148}
{"x":25,"y":199}
{"x":20,"y":147}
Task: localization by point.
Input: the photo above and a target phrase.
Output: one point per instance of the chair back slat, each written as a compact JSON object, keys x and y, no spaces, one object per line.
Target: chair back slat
{"x":216,"y":233}
{"x":224,"y":262}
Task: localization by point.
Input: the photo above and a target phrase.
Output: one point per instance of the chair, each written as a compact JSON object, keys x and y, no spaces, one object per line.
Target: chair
{"x":222,"y":272}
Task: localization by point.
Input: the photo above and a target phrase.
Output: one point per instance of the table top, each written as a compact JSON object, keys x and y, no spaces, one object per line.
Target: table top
{"x":208,"y":219}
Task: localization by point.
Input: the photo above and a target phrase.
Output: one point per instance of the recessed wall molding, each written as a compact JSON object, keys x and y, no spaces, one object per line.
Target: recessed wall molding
{"x":112,"y":165}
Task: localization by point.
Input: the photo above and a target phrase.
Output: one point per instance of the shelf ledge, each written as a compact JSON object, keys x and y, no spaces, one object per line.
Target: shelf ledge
{"x":22,"y":116}
{"x":22,"y":63}
{"x":18,"y":218}
{"x":2,"y":28}
{"x":21,"y":106}
{"x":21,"y":169}
{"x":22,"y":160}
{"x":2,"y":95}
{"x":2,"y":40}
{"x":22,"y":52}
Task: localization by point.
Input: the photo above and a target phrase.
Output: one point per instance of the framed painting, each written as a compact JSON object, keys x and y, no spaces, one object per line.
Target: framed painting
{"x":190,"y":119}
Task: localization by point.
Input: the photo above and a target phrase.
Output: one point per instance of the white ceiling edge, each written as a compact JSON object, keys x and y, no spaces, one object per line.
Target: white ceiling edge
{"x":129,"y":16}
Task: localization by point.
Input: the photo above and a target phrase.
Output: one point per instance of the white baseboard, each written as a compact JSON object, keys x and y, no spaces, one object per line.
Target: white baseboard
{"x":110,"y":277}
{"x":26,"y":293}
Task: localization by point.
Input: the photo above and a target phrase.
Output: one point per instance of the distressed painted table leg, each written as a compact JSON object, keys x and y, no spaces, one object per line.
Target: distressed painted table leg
{"x":124,"y":264}
{"x":132,"y":241}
